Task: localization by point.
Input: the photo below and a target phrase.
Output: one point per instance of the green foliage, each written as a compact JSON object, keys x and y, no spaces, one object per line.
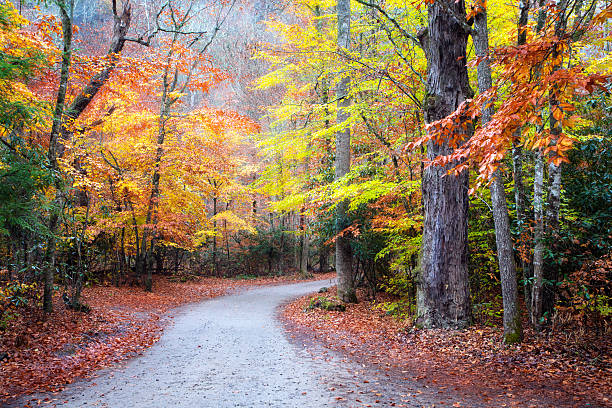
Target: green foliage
{"x":6,"y":317}
{"x":20,"y":58}
{"x":587,"y":203}
{"x":400,"y":309}
{"x":24,"y":179}
{"x":489,"y":312}
{"x":243,"y":276}
{"x":482,"y":259}
{"x":14,"y":295}
{"x":403,"y":286}
{"x":266,"y":252}
{"x":580,"y":254}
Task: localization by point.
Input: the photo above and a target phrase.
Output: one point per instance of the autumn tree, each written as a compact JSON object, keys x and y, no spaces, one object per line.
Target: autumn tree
{"x":23,"y":171}
{"x":444,"y":299}
{"x":344,"y":268}
{"x":185,"y":56}
{"x":503,"y":237}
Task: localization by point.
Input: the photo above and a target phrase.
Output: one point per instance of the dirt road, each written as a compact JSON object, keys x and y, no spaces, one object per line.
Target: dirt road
{"x":233,"y":352}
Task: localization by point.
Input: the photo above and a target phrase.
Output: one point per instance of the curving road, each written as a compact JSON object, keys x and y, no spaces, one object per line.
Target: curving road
{"x":232,"y":352}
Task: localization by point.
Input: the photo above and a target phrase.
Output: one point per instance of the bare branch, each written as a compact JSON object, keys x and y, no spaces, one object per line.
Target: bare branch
{"x":391,"y":20}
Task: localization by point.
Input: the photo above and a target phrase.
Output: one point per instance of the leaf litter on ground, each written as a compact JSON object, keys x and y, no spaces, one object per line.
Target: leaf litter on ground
{"x":545,"y":370}
{"x":45,"y":353}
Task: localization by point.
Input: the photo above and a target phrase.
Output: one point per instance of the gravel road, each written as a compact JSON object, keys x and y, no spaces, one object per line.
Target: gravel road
{"x":232,"y":352}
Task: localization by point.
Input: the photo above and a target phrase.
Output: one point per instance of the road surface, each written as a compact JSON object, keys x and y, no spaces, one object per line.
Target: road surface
{"x":233,"y":352}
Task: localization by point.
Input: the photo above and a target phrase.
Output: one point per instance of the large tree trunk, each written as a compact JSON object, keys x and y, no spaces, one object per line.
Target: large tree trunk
{"x":55,"y":150}
{"x":505,"y":256}
{"x":344,"y":253}
{"x":443,"y":292}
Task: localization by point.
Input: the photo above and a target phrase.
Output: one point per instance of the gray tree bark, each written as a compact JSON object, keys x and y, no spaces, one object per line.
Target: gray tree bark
{"x":304,"y":245}
{"x":538,"y":237}
{"x":513,"y":332}
{"x":538,"y":215}
{"x":344,"y":253}
{"x":55,"y":150}
{"x":517,"y":166}
{"x":443,"y":298}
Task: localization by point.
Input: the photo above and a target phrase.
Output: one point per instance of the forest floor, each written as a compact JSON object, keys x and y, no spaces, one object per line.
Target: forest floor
{"x":543,"y":371}
{"x":232,"y":351}
{"x":46,"y":354}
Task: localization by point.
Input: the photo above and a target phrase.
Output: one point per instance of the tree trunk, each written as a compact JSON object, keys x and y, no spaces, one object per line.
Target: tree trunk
{"x":344,"y":253}
{"x":517,"y":166}
{"x":80,"y":238}
{"x":54,"y":150}
{"x":443,"y":293}
{"x":214,"y":254}
{"x":304,"y":246}
{"x":512,"y":318}
{"x":538,"y":212}
{"x":323,"y":258}
{"x":120,"y":29}
{"x":59,"y":127}
{"x":554,"y":170}
{"x":521,"y":218}
{"x":538,"y":237}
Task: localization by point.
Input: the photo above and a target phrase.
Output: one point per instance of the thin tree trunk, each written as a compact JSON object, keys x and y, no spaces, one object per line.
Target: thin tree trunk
{"x":538,"y":237}
{"x":323,"y":258}
{"x":227,"y":249}
{"x":54,"y":149}
{"x":538,"y":213}
{"x":444,"y":298}
{"x":214,"y":254}
{"x":344,"y":253}
{"x":78,"y":286}
{"x":151,"y":216}
{"x":517,"y":166}
{"x":304,"y":246}
{"x":521,"y":218}
{"x":512,"y":318}
{"x":554,"y":170}
{"x":121,"y":271}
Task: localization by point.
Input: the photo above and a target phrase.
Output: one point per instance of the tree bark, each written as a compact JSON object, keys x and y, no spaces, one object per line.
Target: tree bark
{"x":521,"y":217}
{"x":214,"y":254}
{"x":344,"y":253}
{"x":55,"y":151}
{"x":554,"y":170}
{"x":538,"y":212}
{"x":304,"y":246}
{"x":513,"y":332}
{"x":538,"y":237}
{"x":517,"y":166}
{"x":323,"y":258}
{"x":120,"y":29}
{"x":443,"y":292}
